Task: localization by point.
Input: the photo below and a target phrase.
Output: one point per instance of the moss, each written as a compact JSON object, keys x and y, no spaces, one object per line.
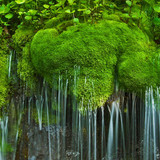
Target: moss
{"x":110,"y":16}
{"x":43,"y":38}
{"x":82,"y":47}
{"x":55,"y":21}
{"x":25,"y":67}
{"x":136,"y":71}
{"x":3,"y":79}
{"x":95,"y":48}
{"x":63,"y":26}
{"x":51,"y":23}
{"x":22,"y":36}
{"x":3,"y":71}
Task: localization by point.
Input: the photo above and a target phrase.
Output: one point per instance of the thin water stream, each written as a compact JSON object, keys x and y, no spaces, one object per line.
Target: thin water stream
{"x":52,"y":125}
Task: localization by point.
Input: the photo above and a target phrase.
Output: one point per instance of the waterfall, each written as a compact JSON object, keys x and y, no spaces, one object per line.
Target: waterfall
{"x":64,"y":118}
{"x":150,"y":148}
{"x":49,"y":138}
{"x":95,"y":134}
{"x":103,"y":133}
{"x":126,"y":128}
{"x":113,"y":133}
{"x":89,"y":134}
{"x":9,"y":64}
{"x":3,"y":136}
{"x":39,"y":106}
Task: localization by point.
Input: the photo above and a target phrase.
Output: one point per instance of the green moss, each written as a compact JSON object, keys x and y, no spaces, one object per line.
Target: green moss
{"x":44,"y":40}
{"x":25,"y":67}
{"x":3,"y":79}
{"x":95,"y":48}
{"x":51,"y":23}
{"x":55,"y":21}
{"x":110,"y":16}
{"x":3,"y":71}
{"x":136,"y":71}
{"x":64,"y":25}
{"x":22,"y":36}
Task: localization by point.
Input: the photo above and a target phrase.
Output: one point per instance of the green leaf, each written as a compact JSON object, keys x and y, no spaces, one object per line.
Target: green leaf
{"x":20,"y":1}
{"x":20,"y":13}
{"x":157,"y":8}
{"x":4,"y":9}
{"x":9,"y":15}
{"x":96,"y":1}
{"x":111,"y":6}
{"x":28,"y":18}
{"x":32,"y":12}
{"x":80,"y":10}
{"x":87,"y":12}
{"x":125,"y":15}
{"x":70,"y":2}
{"x":68,"y":11}
{"x":76,"y":20}
{"x":129,"y":3}
{"x":51,"y":2}
{"x":46,"y":6}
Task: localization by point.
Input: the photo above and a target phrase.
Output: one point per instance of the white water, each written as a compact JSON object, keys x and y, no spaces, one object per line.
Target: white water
{"x":3,"y":136}
{"x":9,"y":64}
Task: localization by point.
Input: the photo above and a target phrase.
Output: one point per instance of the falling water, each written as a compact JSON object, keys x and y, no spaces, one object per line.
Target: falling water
{"x":39,"y":105}
{"x":103,"y":132}
{"x":49,"y":138}
{"x":89,"y":135}
{"x":95,"y":134}
{"x":29,"y":110}
{"x":111,"y":132}
{"x":64,"y":118}
{"x":150,"y":148}
{"x":58,"y":115}
{"x":3,"y":136}
{"x":9,"y":64}
{"x":122,"y":134}
{"x":123,"y":129}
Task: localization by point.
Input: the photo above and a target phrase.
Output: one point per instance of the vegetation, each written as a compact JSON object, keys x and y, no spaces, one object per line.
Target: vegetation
{"x":3,"y":72}
{"x":96,"y":49}
{"x":103,"y":37}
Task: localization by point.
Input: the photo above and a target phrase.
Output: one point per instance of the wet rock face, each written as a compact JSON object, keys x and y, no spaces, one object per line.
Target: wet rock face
{"x":38,"y":144}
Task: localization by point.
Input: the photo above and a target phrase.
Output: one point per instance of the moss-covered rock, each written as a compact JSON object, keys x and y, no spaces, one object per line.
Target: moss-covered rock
{"x":3,"y":71}
{"x":25,"y":67}
{"x":95,"y":49}
{"x":136,"y":71}
{"x":41,"y":49}
{"x":3,"y":79}
{"x":22,"y":36}
{"x":82,"y":46}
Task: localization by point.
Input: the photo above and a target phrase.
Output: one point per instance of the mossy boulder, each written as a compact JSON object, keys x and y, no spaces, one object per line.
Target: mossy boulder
{"x":22,"y":36}
{"x":136,"y":71}
{"x":95,"y":48}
